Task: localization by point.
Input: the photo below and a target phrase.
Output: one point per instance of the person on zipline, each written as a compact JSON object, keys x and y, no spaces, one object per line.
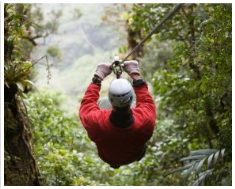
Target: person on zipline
{"x":120,"y":133}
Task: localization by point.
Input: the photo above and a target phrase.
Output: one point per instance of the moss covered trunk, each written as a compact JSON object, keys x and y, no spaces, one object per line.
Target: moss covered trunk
{"x":19,"y":163}
{"x":20,"y":167}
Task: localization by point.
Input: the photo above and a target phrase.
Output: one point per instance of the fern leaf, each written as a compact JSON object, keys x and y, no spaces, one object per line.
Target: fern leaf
{"x":209,"y":160}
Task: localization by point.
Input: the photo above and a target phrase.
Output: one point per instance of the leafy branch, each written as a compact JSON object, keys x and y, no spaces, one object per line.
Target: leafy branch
{"x":17,"y":72}
{"x":200,"y":165}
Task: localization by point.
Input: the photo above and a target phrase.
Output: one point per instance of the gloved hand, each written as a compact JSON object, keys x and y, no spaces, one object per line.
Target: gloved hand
{"x":103,"y":70}
{"x":131,"y":67}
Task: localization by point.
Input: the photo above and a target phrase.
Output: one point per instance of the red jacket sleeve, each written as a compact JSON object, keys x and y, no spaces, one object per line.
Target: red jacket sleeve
{"x":89,"y":108}
{"x":145,"y":108}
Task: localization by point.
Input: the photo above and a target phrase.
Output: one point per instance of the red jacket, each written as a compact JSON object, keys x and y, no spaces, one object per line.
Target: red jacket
{"x":118,"y":146}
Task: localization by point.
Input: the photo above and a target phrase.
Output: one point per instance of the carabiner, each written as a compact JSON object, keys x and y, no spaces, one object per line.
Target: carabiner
{"x":116,"y":67}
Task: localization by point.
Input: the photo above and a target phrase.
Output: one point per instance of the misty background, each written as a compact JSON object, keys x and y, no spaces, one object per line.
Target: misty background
{"x":83,"y":40}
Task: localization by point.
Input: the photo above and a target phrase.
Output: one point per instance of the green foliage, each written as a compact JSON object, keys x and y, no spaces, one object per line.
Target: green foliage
{"x":17,"y":32}
{"x":55,"y":138}
{"x":43,"y":27}
{"x":16,"y":67}
{"x":77,"y":14}
{"x":54,"y":52}
{"x":17,"y":73}
{"x":194,"y":78}
{"x":197,"y":78}
{"x":203,"y":167}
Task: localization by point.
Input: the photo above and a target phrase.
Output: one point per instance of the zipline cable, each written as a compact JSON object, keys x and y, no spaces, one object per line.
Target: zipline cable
{"x":167,"y":17}
{"x":99,"y":52}
{"x":117,"y":64}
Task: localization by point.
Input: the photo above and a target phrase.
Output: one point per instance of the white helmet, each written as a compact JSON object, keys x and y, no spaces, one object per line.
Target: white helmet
{"x":121,"y":93}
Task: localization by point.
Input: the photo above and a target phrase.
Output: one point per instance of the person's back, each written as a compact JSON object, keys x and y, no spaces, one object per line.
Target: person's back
{"x":120,"y":134}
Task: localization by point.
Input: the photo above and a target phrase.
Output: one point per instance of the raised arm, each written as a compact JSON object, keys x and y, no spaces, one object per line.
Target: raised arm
{"x":89,"y":107}
{"x":145,"y":105}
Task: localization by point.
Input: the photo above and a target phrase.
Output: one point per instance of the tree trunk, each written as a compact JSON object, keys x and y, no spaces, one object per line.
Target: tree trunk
{"x":19,"y":163}
{"x":20,"y":167}
{"x":133,"y":39}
